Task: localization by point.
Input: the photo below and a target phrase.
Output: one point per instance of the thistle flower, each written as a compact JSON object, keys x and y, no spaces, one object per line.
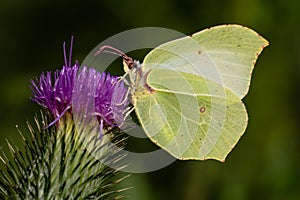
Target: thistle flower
{"x":58,"y":163}
{"x":108,"y":94}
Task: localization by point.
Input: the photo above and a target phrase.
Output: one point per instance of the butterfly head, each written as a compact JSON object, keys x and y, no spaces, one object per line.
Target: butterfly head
{"x":131,"y":67}
{"x":130,"y":64}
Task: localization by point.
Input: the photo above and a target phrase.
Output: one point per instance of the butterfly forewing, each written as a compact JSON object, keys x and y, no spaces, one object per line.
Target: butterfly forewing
{"x":224,"y":54}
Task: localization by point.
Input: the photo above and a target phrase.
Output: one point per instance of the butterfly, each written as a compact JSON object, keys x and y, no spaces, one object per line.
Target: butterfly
{"x":187,"y":93}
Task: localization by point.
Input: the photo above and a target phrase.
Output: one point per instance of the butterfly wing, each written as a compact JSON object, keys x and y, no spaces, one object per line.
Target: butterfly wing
{"x":225,"y":54}
{"x":195,"y":111}
{"x":189,"y":116}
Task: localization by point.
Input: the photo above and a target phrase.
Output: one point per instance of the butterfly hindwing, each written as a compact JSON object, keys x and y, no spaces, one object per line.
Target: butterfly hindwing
{"x":192,"y":119}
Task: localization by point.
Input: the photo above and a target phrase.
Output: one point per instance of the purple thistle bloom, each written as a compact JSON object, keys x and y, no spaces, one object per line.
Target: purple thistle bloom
{"x":92,"y":93}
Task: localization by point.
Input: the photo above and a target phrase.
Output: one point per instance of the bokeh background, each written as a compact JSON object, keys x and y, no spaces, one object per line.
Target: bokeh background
{"x":264,"y":165}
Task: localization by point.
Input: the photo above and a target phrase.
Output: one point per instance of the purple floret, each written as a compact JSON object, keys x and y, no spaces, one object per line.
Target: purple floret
{"x":55,"y":93}
{"x":110,"y":100}
{"x":109,"y":97}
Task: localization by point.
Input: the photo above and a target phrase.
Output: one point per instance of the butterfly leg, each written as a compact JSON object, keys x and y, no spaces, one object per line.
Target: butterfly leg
{"x":128,"y":111}
{"x":122,"y":78}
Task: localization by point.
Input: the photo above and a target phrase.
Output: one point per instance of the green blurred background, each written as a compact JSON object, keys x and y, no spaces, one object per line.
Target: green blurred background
{"x":264,"y":165}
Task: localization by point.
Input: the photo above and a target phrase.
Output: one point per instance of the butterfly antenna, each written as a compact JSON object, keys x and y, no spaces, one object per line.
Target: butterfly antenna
{"x":109,"y":49}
